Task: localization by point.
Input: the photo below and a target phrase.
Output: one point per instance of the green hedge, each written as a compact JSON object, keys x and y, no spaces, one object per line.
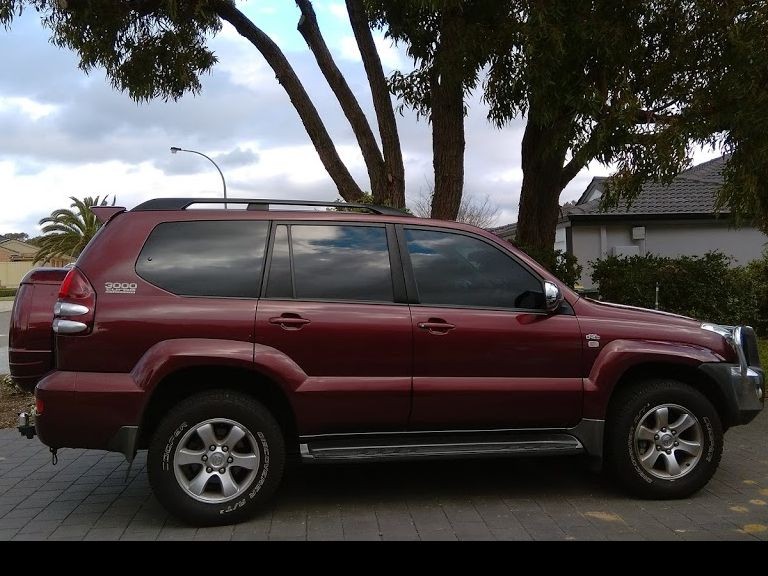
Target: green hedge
{"x":703,"y":287}
{"x":758,"y":270}
{"x":6,"y":292}
{"x":564,"y":266}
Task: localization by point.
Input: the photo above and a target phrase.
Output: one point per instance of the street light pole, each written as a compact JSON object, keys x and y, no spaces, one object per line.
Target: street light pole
{"x":175,"y":149}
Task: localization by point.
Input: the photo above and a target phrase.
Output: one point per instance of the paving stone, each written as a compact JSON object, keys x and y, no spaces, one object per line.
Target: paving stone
{"x":88,"y":497}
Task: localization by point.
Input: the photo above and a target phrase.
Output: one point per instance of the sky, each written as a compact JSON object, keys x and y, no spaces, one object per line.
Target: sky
{"x":64,"y":133}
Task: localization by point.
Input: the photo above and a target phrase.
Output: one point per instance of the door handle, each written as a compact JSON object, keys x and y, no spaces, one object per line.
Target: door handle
{"x":290,"y":322}
{"x":436,"y":326}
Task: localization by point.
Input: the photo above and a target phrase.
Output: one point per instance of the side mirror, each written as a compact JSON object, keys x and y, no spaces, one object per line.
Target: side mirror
{"x":553,"y":298}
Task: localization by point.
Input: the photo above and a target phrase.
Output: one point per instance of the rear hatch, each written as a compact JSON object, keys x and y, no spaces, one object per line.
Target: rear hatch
{"x":30,"y":351}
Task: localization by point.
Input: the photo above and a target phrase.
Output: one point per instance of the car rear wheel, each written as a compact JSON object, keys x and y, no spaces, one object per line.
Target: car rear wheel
{"x":665,"y":439}
{"x":217,"y":458}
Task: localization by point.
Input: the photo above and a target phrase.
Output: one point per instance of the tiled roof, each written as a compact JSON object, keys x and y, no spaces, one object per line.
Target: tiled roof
{"x":692,"y":192}
{"x":509,"y":231}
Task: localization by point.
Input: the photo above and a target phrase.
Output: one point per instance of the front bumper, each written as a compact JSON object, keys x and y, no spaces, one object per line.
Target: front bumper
{"x":743,"y":389}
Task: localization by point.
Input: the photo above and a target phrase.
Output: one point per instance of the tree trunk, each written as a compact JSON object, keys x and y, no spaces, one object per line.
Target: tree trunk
{"x":448,"y":138}
{"x":287,"y":77}
{"x":374,"y":162}
{"x":382,"y":103}
{"x":542,"y":186}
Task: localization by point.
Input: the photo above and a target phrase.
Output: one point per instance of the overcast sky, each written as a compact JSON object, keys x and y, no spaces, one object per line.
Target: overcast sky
{"x":63,"y":133}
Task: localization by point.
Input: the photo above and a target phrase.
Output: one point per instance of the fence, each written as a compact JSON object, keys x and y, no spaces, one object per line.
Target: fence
{"x":11,"y":273}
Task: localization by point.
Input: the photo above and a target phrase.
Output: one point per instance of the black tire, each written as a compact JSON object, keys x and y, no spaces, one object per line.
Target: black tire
{"x":265,"y":442}
{"x":631,"y":407}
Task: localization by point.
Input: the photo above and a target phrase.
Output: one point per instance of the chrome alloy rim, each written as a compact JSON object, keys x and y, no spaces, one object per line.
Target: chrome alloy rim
{"x":668,"y":442}
{"x":216,"y":461}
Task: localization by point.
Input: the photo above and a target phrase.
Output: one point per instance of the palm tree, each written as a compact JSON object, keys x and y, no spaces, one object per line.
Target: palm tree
{"x":67,"y":232}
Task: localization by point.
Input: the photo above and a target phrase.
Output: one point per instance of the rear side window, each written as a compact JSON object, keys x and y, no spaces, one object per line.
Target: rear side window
{"x":457,"y":270}
{"x":331,"y":263}
{"x":216,"y":259}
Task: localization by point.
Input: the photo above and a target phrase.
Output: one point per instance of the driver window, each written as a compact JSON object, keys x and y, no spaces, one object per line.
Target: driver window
{"x":456,"y":270}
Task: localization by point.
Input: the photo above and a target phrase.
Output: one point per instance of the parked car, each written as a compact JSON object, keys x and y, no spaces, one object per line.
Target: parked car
{"x":224,"y":340}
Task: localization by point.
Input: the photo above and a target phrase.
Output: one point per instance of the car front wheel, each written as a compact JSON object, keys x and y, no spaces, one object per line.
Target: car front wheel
{"x":665,"y":439}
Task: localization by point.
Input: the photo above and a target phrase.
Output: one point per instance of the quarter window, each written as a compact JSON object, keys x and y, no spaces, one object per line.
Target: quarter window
{"x":457,"y":270}
{"x":216,"y":259}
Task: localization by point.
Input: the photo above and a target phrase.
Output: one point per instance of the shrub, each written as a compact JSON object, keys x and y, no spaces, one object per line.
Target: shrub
{"x":703,"y":287}
{"x":6,"y":292}
{"x":564,"y":266}
{"x":8,"y":387}
{"x":758,"y":270}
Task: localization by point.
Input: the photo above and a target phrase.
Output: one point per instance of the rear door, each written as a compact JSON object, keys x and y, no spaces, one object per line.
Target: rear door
{"x":487,"y":356}
{"x":334,"y":302}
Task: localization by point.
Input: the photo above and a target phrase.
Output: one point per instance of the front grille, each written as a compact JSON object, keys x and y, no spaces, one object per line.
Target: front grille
{"x":749,"y":345}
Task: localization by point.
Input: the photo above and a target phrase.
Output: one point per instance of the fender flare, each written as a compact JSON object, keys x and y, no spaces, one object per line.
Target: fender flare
{"x":619,"y":356}
{"x":171,"y":356}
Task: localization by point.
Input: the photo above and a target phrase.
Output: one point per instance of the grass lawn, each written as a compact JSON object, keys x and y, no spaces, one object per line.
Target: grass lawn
{"x":763,"y":347}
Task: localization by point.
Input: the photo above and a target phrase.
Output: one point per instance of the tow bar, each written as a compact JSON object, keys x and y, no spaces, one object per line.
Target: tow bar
{"x":26,"y":426}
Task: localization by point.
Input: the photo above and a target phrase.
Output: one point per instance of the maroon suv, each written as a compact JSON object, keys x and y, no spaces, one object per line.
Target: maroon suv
{"x":224,"y":340}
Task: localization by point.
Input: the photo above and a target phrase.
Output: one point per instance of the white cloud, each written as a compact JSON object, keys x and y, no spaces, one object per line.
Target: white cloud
{"x":27,"y":106}
{"x":339,"y":11}
{"x":391,"y":56}
{"x":297,"y":164}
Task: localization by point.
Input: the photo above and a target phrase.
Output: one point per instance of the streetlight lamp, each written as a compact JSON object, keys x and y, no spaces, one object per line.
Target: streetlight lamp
{"x":175,"y":149}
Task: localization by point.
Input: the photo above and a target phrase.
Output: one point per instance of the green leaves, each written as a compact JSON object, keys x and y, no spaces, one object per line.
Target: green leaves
{"x":639,"y":84}
{"x":704,"y":287}
{"x":67,"y":232}
{"x":148,"y":48}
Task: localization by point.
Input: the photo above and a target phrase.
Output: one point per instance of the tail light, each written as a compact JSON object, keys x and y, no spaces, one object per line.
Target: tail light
{"x":74,"y":310}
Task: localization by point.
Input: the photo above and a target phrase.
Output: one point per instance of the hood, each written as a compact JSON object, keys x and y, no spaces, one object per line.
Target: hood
{"x":619,"y":322}
{"x":635,"y":312}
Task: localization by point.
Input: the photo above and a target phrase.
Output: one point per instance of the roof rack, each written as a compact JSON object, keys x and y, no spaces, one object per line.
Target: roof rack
{"x":172,"y":204}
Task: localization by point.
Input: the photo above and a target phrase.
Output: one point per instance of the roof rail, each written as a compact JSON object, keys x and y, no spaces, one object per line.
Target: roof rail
{"x":173,"y":204}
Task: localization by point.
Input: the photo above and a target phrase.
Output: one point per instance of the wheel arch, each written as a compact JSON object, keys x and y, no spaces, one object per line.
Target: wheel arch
{"x":684,"y":373}
{"x":188,"y":381}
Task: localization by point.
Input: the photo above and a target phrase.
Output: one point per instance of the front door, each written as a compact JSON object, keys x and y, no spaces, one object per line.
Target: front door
{"x":487,"y":356}
{"x":330,"y":307}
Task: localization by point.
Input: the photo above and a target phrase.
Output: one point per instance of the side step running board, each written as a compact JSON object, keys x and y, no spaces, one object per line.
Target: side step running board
{"x":408,"y":447}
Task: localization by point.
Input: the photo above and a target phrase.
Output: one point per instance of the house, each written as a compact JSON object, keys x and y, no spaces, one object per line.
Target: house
{"x":677,"y":219}
{"x":16,"y":251}
{"x":17,"y":258}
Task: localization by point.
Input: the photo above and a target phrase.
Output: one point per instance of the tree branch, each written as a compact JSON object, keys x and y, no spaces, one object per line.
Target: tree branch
{"x":653,"y":117}
{"x":585,"y":153}
{"x":310,"y":30}
{"x":287,"y":77}
{"x":580,"y":158}
{"x":382,"y":103}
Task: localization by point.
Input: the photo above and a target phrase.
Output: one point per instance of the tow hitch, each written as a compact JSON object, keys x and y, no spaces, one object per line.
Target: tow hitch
{"x":26,"y":426}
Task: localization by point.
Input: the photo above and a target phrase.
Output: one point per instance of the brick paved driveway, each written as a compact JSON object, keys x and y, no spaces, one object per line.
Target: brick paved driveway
{"x":86,"y":497}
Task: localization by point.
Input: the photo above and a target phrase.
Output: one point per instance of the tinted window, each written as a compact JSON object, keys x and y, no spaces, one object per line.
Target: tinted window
{"x":280,"y":283}
{"x":456,"y":270}
{"x":220,"y":259}
{"x":333,"y":263}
